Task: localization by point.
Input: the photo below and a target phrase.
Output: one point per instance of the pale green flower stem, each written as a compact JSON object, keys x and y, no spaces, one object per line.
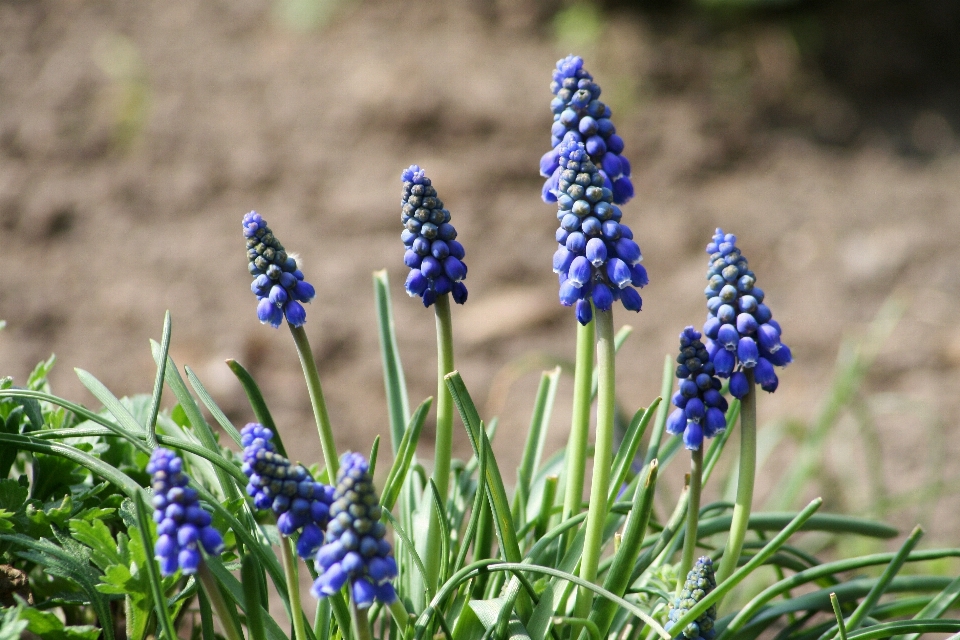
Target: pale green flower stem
{"x":292,"y":576}
{"x":230,"y":631}
{"x":693,"y":517}
{"x":315,"y":391}
{"x":602,"y":459}
{"x":361,"y":626}
{"x":576,"y":456}
{"x":444,"y":438}
{"x":745,"y":479}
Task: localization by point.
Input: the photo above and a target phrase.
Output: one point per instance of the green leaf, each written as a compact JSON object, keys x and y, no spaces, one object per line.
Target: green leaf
{"x":628,"y":448}
{"x":252,"y":597}
{"x":408,"y":446}
{"x":398,"y":403}
{"x":536,"y":438}
{"x":129,"y":427}
{"x":49,"y":627}
{"x":13,"y":494}
{"x":211,"y":406}
{"x":153,"y":571}
{"x":151,"y":424}
{"x":489,"y":612}
{"x":11,"y":626}
{"x":96,"y":535}
{"x":257,"y":403}
{"x":235,"y":590}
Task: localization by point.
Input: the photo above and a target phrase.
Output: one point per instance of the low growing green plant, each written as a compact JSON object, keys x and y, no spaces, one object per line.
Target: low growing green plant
{"x":134,"y":522}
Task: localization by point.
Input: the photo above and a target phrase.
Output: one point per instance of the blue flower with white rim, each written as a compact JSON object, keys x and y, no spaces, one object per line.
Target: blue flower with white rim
{"x":740,"y":329}
{"x":597,"y":259}
{"x":580,"y":116}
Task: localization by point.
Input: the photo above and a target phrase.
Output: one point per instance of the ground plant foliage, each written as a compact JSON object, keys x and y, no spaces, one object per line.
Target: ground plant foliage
{"x":132,"y":521}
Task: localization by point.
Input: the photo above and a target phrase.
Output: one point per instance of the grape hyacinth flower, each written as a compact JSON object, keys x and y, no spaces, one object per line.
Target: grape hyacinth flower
{"x":597,"y":259}
{"x":277,"y":280}
{"x":579,"y":116}
{"x":183,"y":526}
{"x":700,"y":406}
{"x":741,"y":330}
{"x":699,"y":583}
{"x":287,"y":489}
{"x":433,"y":254}
{"x":356,"y":551}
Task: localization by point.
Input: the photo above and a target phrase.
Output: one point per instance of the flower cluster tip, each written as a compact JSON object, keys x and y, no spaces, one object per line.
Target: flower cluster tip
{"x":700,"y":405}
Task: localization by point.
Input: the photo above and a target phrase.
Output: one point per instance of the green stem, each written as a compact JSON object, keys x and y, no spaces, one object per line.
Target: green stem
{"x":361,"y":626}
{"x":219,"y":605}
{"x":602,"y":459}
{"x":693,"y":517}
{"x":576,"y":457}
{"x":444,"y":438}
{"x":745,"y":478}
{"x":292,"y":575}
{"x":327,"y":444}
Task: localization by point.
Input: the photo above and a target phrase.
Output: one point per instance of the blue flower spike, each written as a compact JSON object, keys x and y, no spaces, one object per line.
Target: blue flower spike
{"x":579,"y":116}
{"x":597,"y":259}
{"x":701,"y":409}
{"x":699,"y":583}
{"x":299,"y":503}
{"x":277,"y":280}
{"x":740,"y":330}
{"x":356,"y":552}
{"x":433,"y":254}
{"x":183,"y":526}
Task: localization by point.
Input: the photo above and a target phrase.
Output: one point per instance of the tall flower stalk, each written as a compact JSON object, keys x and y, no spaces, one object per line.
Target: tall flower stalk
{"x":435,"y":259}
{"x":743,"y":341}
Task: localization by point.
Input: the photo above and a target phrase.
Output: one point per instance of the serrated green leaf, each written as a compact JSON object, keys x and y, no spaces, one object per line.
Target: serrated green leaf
{"x":96,"y":535}
{"x":11,"y":626}
{"x":49,"y":627}
{"x":13,"y":494}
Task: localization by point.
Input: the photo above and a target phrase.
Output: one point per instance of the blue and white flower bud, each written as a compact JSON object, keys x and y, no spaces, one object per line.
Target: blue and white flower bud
{"x":700,"y":407}
{"x":699,"y":583}
{"x":429,"y":235}
{"x":356,"y":552}
{"x":579,"y":116}
{"x":184,"y":526}
{"x":299,"y":503}
{"x":738,"y":322}
{"x":596,"y":261}
{"x":278,"y":283}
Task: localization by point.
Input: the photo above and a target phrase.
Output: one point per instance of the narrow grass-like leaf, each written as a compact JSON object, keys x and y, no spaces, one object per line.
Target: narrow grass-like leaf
{"x":95,"y":465}
{"x":828,"y":522}
{"x":151,"y":425}
{"x":398,"y":403}
{"x":536,"y":437}
{"x":129,"y":427}
{"x":206,"y":617}
{"x":251,"y":597}
{"x":197,"y":421}
{"x":479,"y":502}
{"x":441,"y":515}
{"x":863,"y":609}
{"x":236,"y":591}
{"x":497,"y":494}
{"x":260,"y":410}
{"x":841,"y":627}
{"x":408,"y":446}
{"x":891,"y":629}
{"x":153,"y":571}
{"x":411,"y":548}
{"x":628,"y":448}
{"x":211,"y":405}
{"x":939,"y":605}
{"x":666,"y":386}
{"x":374,"y":449}
{"x":618,"y":577}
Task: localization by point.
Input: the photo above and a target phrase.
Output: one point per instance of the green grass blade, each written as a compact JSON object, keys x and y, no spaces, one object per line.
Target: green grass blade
{"x":891,"y":629}
{"x":153,"y":571}
{"x":666,"y":387}
{"x":151,"y":425}
{"x":628,"y":448}
{"x":374,"y":449}
{"x":236,"y":592}
{"x":536,"y":437}
{"x":408,"y":447}
{"x":828,"y":522}
{"x":129,"y":427}
{"x":939,"y":605}
{"x":398,"y":403}
{"x":411,"y":549}
{"x":251,"y":597}
{"x":441,"y":515}
{"x":257,"y":403}
{"x":206,"y":617}
{"x":211,"y":405}
{"x":838,"y":614}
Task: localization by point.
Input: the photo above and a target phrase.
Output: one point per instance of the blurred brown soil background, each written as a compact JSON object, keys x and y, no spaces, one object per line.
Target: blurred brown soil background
{"x":134,"y":136}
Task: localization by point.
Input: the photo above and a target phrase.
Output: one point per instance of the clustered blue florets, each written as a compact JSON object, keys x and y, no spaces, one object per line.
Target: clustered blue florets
{"x":579,"y":116}
{"x":597,"y":258}
{"x":356,"y":550}
{"x":182,"y":524}
{"x":433,"y":254}
{"x":700,"y":405}
{"x":699,"y":583}
{"x":741,"y":330}
{"x":277,"y":281}
{"x":300,"y":503}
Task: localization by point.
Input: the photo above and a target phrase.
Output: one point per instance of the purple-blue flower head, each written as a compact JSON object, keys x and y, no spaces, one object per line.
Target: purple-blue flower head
{"x":433,"y":254}
{"x":699,"y":583}
{"x":579,"y":116}
{"x":183,"y":526}
{"x":740,"y":330}
{"x":356,"y":553}
{"x":700,"y":406}
{"x":277,"y":280}
{"x":300,"y":504}
{"x":597,"y":259}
